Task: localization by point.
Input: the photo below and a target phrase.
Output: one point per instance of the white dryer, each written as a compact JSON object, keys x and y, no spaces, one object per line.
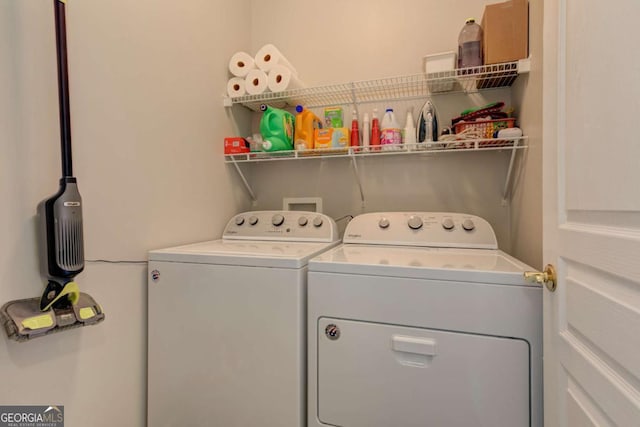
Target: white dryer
{"x":419,"y":320}
{"x":227,"y":323}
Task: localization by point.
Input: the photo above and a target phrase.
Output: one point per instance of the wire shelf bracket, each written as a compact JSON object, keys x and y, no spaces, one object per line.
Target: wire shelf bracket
{"x":353,"y":153}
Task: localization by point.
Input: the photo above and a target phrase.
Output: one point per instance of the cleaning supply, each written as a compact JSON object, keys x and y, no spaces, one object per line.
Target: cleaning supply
{"x":334,"y":138}
{"x":390,"y":132}
{"x":470,"y":45}
{"x":355,"y":132}
{"x":61,"y":305}
{"x":276,"y":128}
{"x":366,"y":131}
{"x":333,"y":117}
{"x":410,"y":131}
{"x":375,"y":130}
{"x":305,"y":125}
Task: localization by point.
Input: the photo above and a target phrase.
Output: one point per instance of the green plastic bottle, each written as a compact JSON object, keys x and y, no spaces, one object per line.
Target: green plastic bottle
{"x":276,"y":127}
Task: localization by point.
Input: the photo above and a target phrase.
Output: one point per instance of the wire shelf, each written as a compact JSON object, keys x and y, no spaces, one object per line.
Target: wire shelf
{"x":381,"y":150}
{"x":390,"y":89}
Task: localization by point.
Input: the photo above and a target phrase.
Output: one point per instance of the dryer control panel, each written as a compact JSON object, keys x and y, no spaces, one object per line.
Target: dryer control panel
{"x":433,"y":229}
{"x":282,"y":226}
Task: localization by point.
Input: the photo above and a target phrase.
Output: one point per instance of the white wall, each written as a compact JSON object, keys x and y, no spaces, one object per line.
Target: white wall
{"x":362,"y":40}
{"x":147,"y":123}
{"x":527,"y":203}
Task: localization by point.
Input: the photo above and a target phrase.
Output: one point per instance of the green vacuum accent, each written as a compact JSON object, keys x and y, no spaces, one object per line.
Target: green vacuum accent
{"x":23,"y":320}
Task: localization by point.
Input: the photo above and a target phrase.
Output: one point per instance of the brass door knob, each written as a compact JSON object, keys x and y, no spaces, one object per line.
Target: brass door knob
{"x":547,"y":277}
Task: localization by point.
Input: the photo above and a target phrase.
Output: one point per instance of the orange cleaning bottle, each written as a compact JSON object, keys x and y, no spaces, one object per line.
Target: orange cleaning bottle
{"x":306,"y":124}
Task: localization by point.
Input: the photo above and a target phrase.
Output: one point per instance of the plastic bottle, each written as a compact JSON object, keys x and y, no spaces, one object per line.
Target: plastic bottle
{"x":410,"y":131}
{"x":355,"y":132}
{"x":375,"y":129}
{"x":276,"y":127}
{"x":390,"y":132}
{"x":470,"y":45}
{"x":366,"y":129}
{"x":306,"y":124}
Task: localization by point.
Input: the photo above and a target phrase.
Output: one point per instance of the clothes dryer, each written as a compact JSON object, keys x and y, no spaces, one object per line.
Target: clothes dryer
{"x":227,"y":323}
{"x":418,"y":319}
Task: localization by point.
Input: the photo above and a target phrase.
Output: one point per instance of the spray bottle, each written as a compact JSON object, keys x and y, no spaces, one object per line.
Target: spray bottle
{"x":366,"y":131}
{"x":375,"y":129}
{"x":410,"y":132}
{"x":355,"y":133}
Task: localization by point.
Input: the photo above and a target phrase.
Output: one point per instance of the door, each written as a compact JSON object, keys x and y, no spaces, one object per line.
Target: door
{"x":592,"y":212}
{"x":379,"y":375}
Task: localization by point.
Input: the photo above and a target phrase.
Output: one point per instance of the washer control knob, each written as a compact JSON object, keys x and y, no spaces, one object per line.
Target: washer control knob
{"x":415,"y":222}
{"x":253,"y":220}
{"x":447,"y":224}
{"x":468,"y":225}
{"x":239,"y":220}
{"x":302,"y":221}
{"x":317,"y":221}
{"x":277,"y":220}
{"x":383,"y":223}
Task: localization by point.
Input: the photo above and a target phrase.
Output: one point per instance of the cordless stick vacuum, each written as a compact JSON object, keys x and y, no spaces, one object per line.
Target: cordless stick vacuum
{"x":62,"y":305}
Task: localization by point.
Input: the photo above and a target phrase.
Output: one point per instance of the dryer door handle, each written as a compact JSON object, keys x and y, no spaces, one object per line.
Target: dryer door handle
{"x":414,"y":345}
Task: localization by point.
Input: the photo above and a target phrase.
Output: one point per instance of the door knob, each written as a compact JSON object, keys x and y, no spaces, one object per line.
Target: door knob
{"x":547,"y":277}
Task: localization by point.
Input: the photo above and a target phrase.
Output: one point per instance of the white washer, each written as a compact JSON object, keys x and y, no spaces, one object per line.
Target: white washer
{"x":227,"y":323}
{"x":419,"y":320}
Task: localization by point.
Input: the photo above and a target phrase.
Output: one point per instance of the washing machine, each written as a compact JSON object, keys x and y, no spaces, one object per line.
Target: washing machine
{"x":417,"y":320}
{"x":227,"y":323}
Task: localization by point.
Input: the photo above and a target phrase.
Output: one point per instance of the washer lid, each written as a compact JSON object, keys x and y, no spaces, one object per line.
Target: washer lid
{"x":465,"y":265}
{"x":243,"y":252}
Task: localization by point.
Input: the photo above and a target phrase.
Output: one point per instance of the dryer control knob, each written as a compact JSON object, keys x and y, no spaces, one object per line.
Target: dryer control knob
{"x":253,"y":220}
{"x":447,"y":224}
{"x":415,"y":222}
{"x":239,"y":220}
{"x":317,"y":221}
{"x":302,"y":221}
{"x":277,"y":220}
{"x":383,"y":223}
{"x":468,"y":225}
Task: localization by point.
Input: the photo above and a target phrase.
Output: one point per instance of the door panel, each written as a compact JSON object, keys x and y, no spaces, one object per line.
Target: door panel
{"x":592,"y":213}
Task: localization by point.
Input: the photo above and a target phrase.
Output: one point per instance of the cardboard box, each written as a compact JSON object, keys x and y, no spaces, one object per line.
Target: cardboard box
{"x":235,"y":145}
{"x":505,"y":31}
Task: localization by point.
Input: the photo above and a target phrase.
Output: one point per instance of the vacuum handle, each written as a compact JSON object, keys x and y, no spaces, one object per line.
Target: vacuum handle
{"x":63,"y":87}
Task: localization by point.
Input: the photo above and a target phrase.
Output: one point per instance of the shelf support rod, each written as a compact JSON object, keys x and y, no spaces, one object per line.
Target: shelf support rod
{"x":507,"y":182}
{"x":354,"y":164}
{"x":244,"y":180}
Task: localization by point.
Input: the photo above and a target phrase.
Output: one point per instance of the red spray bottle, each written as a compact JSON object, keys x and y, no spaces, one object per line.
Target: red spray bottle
{"x":355,"y":132}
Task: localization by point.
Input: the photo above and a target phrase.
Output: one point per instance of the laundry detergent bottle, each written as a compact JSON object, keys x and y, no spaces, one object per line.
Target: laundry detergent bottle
{"x":306,"y":124}
{"x":276,"y":128}
{"x":390,"y":132}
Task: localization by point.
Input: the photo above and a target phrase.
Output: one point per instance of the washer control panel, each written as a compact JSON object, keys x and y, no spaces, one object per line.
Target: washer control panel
{"x":433,"y":229}
{"x":282,"y":225}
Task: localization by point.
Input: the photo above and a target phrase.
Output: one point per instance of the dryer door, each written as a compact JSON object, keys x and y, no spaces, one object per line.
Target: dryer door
{"x":376,"y":375}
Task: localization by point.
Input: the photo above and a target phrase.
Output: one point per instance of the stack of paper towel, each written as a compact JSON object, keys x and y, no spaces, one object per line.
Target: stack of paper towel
{"x":268,"y":71}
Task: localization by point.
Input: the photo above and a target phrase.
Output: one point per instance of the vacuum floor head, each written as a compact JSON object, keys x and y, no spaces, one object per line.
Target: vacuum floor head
{"x":23,"y":320}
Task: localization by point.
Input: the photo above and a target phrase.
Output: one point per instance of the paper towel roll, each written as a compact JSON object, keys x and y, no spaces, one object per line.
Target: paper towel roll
{"x":256,"y":82}
{"x":281,"y":78}
{"x":268,"y":56}
{"x":236,"y":87}
{"x":241,"y":63}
